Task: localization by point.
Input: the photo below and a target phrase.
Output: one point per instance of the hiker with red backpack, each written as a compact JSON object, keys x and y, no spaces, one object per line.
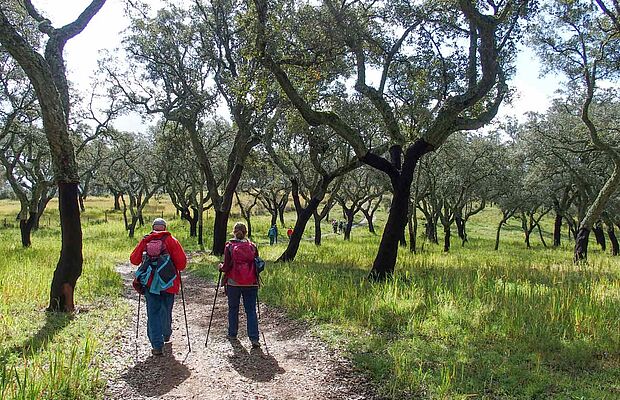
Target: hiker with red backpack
{"x":241,"y":281}
{"x":161,"y":257}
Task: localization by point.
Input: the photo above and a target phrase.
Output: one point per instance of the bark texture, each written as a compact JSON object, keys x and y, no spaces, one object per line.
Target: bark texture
{"x":47,"y":75}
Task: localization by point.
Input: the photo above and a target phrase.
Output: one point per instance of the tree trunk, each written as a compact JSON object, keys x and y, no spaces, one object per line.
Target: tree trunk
{"x":557,"y":230}
{"x":460,"y":228}
{"x":132,"y":226}
{"x":317,"y":228}
{"x":274,"y":217}
{"x":499,"y":229}
{"x":581,"y":245}
{"x":371,"y":225}
{"x":542,"y":238}
{"x":248,"y":222}
{"x":25,"y":227}
{"x":615,"y":249}
{"x":403,"y":240}
{"x":69,"y":267}
{"x":281,"y":213}
{"x":369,"y":216}
{"x":431,"y":231}
{"x":505,"y":216}
{"x":594,"y":212}
{"x":200,"y":225}
{"x":385,"y":261}
{"x":117,"y":203}
{"x":600,"y":236}
{"x":383,"y":266}
{"x":413,"y":231}
{"x":220,"y":234}
{"x":303,"y":216}
{"x":81,"y":202}
{"x":347,"y":229}
{"x":47,"y":76}
{"x":446,"y":237}
{"x":193,"y":226}
{"x":125,"y":214}
{"x":527,"y":239}
{"x":526,"y":231}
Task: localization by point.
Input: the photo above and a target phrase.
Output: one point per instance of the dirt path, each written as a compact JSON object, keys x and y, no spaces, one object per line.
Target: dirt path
{"x":293,"y":364}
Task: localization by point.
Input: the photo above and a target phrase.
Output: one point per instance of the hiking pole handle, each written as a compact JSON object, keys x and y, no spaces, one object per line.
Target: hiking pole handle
{"x":189,"y":346}
{"x":217,"y":289}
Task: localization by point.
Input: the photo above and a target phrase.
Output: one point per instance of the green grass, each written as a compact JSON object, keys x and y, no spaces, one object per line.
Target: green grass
{"x":472,"y":323}
{"x":54,"y":355}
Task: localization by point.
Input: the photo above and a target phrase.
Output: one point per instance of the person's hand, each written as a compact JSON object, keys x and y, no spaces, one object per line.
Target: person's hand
{"x":220,"y":267}
{"x":138,"y":287}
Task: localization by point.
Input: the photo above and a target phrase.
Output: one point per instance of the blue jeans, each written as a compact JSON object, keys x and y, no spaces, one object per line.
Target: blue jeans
{"x":250,"y":295}
{"x":159,"y":317}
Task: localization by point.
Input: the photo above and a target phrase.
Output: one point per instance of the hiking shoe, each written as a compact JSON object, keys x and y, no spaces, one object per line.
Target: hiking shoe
{"x":255,"y":344}
{"x":167,"y":339}
{"x":157,"y":352}
{"x":231,"y":337}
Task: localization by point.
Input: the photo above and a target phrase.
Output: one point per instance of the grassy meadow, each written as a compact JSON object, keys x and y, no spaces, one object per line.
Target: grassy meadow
{"x":54,"y":355}
{"x":472,"y":323}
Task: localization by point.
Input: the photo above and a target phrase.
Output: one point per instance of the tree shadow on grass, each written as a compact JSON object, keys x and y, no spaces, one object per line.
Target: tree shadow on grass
{"x":255,"y":364}
{"x":54,"y":323}
{"x":156,"y":375}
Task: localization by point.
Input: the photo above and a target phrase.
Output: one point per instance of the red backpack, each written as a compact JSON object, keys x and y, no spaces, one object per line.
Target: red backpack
{"x":243,"y":271}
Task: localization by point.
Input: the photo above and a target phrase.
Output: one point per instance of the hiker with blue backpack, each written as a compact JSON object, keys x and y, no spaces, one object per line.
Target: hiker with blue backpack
{"x":272,"y":233}
{"x":161,"y":258}
{"x":241,"y":281}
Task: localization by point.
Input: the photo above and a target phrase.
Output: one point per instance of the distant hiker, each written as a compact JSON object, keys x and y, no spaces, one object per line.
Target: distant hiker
{"x":241,"y":280}
{"x":161,"y":257}
{"x":340,"y":226}
{"x":289,"y":233}
{"x":335,"y":226}
{"x":273,"y":234}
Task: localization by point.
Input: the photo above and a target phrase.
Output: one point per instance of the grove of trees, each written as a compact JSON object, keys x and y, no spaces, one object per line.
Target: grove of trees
{"x":266,"y":104}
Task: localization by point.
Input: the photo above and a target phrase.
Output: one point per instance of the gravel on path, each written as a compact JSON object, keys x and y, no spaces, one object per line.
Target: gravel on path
{"x":292,"y":364}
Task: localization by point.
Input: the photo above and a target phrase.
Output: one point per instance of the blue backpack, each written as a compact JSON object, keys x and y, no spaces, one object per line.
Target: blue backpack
{"x":156,"y":263}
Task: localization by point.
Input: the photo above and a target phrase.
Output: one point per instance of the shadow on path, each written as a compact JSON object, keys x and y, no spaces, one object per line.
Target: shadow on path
{"x":156,"y":376}
{"x":255,"y":364}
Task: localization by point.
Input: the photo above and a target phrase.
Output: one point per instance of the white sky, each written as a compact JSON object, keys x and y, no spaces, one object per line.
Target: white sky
{"x":103,"y":32}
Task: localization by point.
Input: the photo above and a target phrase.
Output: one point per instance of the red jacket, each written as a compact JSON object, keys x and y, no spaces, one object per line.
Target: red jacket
{"x":174,"y":248}
{"x":239,"y":263}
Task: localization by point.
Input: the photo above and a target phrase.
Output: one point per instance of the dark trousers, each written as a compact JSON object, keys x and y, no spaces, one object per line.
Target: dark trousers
{"x":249,"y":294}
{"x":159,"y":314}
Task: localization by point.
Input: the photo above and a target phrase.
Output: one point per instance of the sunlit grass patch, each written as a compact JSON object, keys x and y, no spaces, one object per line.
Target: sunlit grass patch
{"x":57,"y":355}
{"x":474,"y":322}
{"x":471,"y":323}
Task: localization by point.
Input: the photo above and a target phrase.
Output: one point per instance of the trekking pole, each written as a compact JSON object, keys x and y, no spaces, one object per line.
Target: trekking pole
{"x":217,"y":288}
{"x":261,"y":331}
{"x":189,"y":346}
{"x":137,"y":325}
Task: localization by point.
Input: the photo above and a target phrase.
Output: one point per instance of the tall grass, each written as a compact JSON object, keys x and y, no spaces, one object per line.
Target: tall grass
{"x":55,"y":355}
{"x":474,"y":322}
